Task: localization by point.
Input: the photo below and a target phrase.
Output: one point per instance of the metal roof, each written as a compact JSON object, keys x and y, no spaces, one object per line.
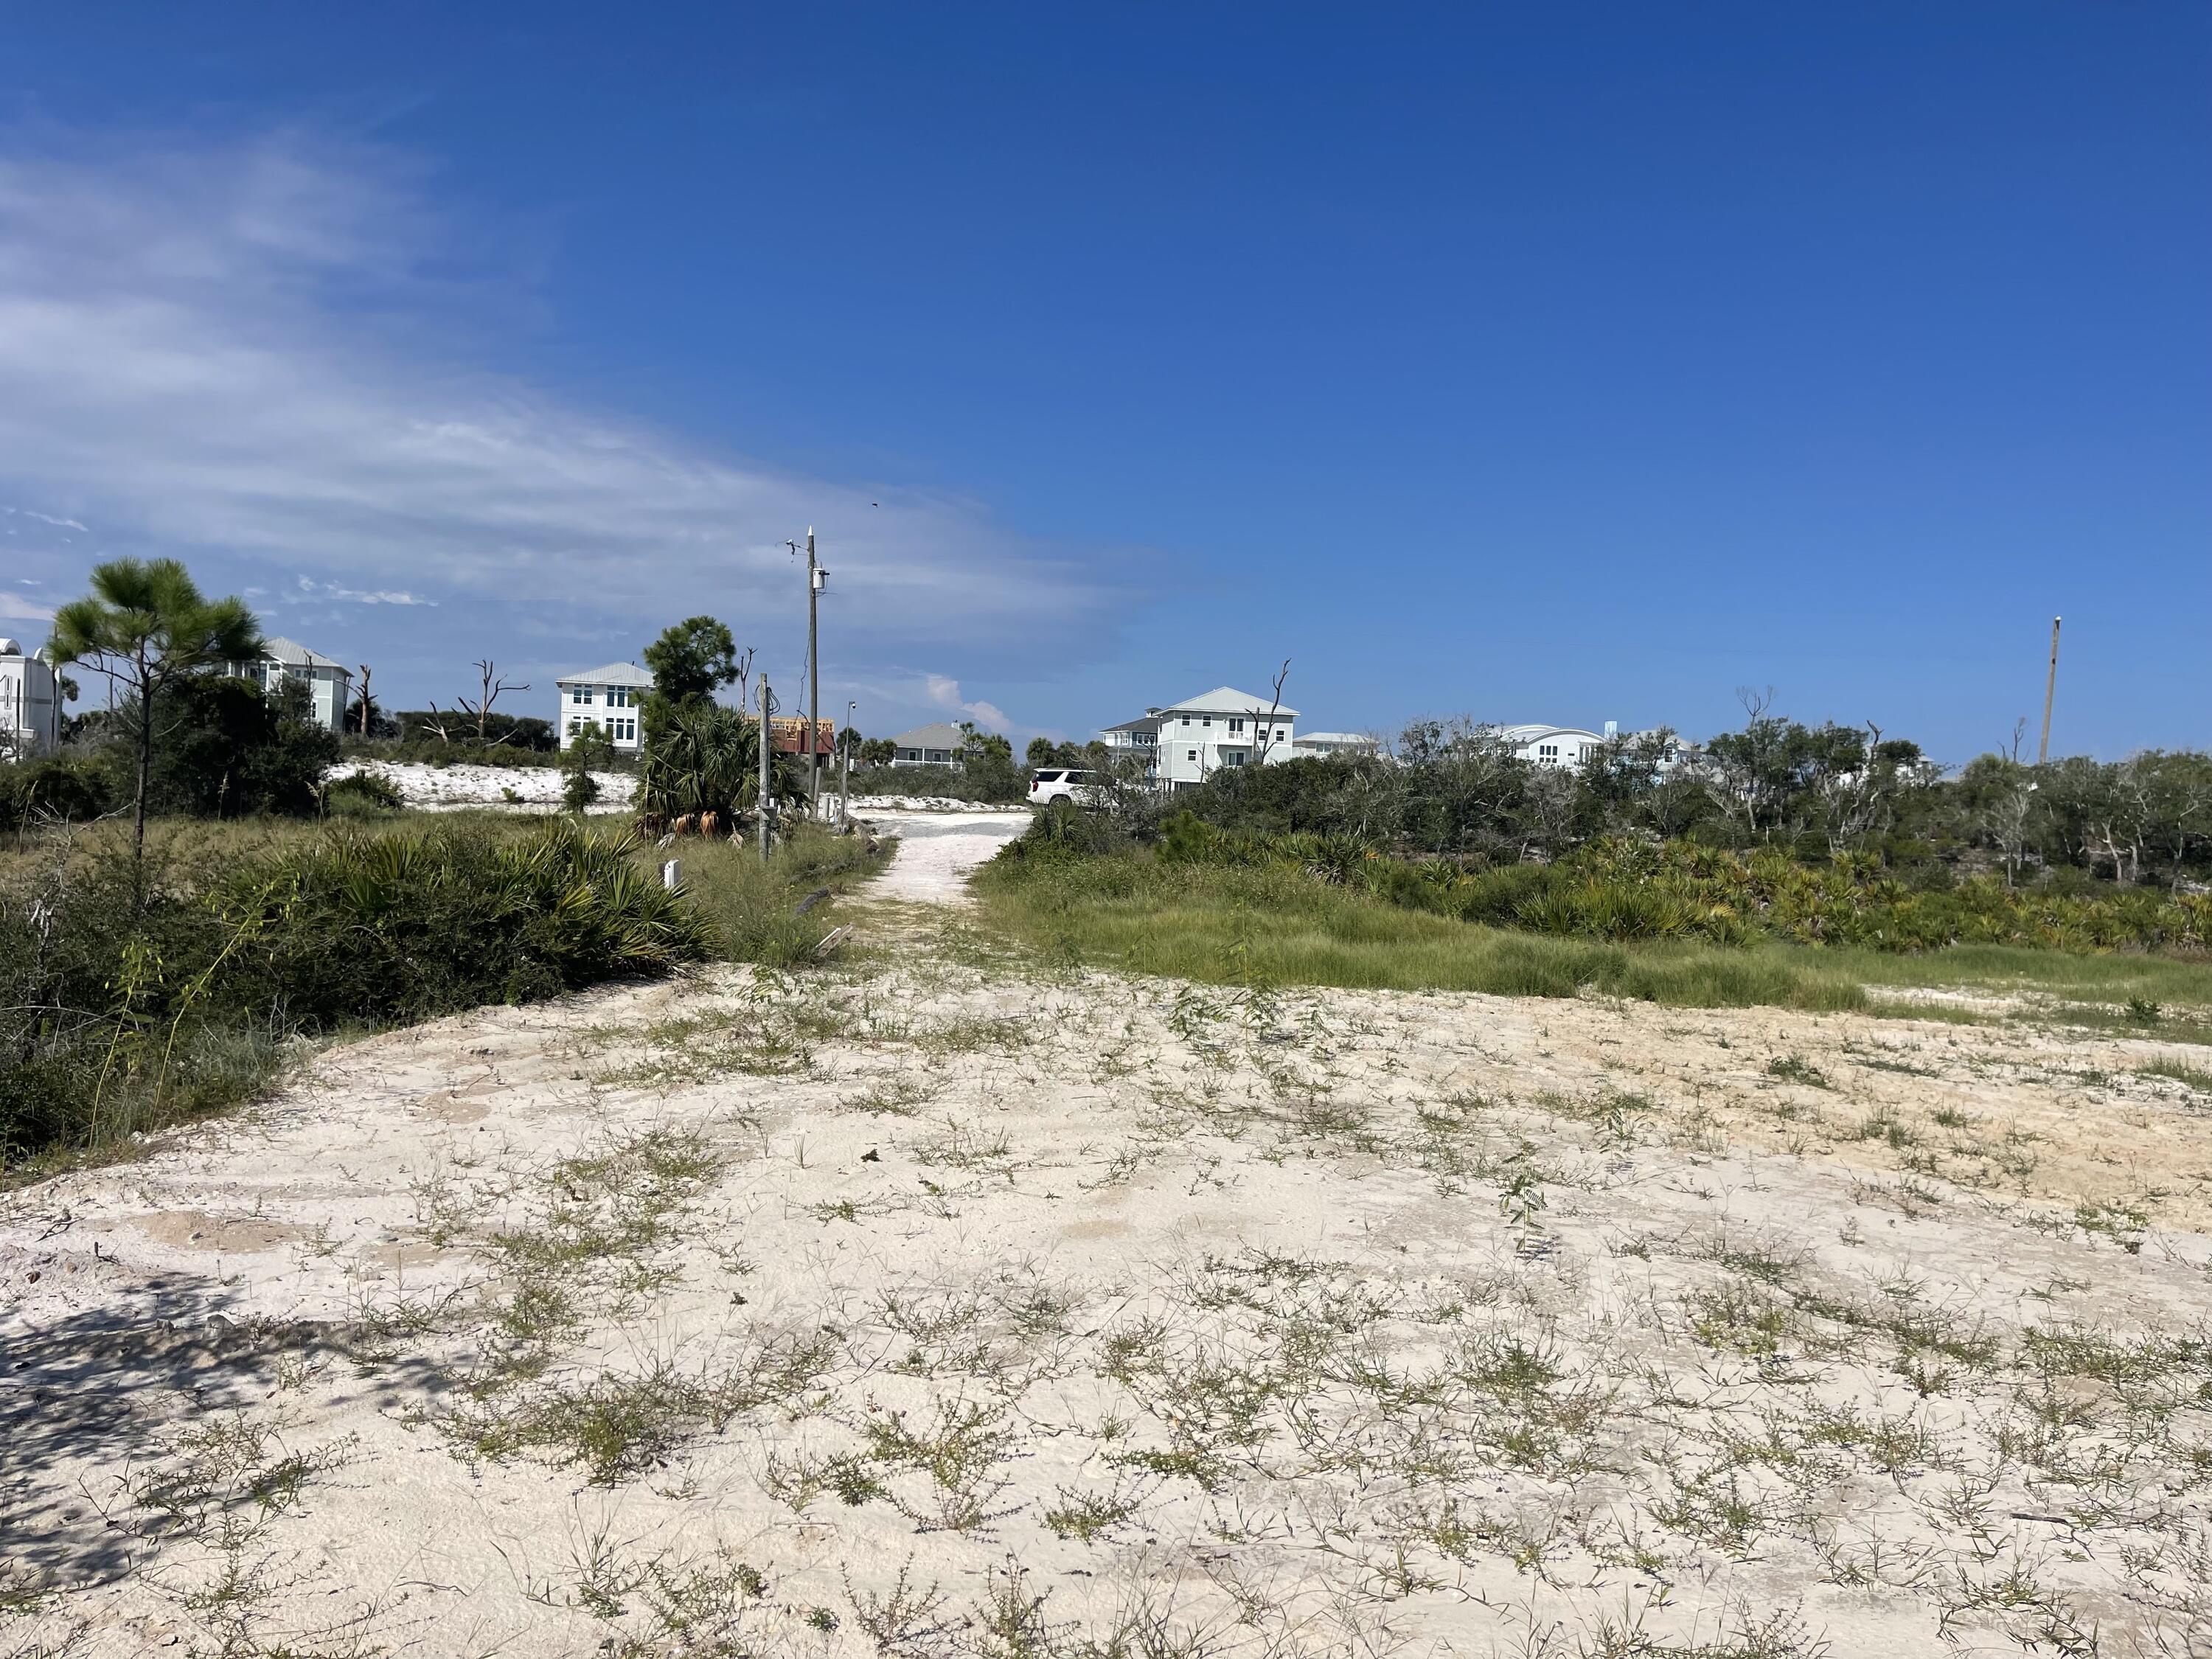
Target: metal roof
{"x":293,"y":654}
{"x":938,"y":735}
{"x":615,"y":673}
{"x":1227,"y":699}
{"x":1524,"y":735}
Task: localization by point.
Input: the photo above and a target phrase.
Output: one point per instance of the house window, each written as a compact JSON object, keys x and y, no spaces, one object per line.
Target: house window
{"x":1203,"y":720}
{"x":574,"y":725}
{"x":618,"y":698}
{"x":1186,"y":719}
{"x":1190,"y":754}
{"x":1547,"y":751}
{"x":1235,"y":726}
{"x":582,"y":696}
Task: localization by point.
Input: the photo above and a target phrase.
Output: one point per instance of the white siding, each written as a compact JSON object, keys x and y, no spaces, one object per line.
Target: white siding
{"x":1196,"y":743}
{"x":613,"y":709}
{"x":30,"y":706}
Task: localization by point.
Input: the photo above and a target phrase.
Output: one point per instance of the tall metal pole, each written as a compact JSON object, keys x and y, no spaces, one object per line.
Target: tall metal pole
{"x":814,"y":679}
{"x":760,"y":800}
{"x":2050,"y":690}
{"x":845,"y":786}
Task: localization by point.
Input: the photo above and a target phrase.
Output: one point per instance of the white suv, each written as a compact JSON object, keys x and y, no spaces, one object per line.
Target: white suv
{"x":1053,"y":783}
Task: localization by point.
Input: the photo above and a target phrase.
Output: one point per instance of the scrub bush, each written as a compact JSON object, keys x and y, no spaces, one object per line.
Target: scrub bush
{"x":118,"y":1013}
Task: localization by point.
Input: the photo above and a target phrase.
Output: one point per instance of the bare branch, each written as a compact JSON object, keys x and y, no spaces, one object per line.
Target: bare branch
{"x":491,"y":689}
{"x":1266,"y":736}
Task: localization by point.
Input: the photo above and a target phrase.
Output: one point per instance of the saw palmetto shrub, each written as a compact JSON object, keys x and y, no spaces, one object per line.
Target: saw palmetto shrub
{"x":428,"y":924}
{"x":122,"y":1009}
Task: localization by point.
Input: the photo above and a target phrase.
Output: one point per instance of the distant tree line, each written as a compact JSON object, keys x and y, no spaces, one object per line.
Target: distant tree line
{"x":1456,"y":789}
{"x":182,"y":735}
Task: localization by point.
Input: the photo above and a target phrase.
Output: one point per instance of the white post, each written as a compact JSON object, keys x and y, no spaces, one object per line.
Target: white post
{"x":845,"y":789}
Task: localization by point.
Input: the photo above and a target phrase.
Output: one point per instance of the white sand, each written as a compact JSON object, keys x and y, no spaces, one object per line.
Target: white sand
{"x":510,"y":788}
{"x":937,"y":851}
{"x":533,"y":788}
{"x":1328,"y":1323}
{"x":870,"y":805}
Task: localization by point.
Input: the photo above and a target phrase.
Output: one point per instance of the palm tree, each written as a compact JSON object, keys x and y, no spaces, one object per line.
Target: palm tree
{"x":145,"y":625}
{"x":706,"y":758}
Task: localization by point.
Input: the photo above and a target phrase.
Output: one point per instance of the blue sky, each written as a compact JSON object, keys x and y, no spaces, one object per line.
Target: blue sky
{"x":1523,"y":362}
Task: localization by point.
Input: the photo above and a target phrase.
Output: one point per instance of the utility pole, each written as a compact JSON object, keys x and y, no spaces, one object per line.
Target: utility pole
{"x":760,"y":800}
{"x":814,"y":577}
{"x":2050,"y":690}
{"x":845,"y":788}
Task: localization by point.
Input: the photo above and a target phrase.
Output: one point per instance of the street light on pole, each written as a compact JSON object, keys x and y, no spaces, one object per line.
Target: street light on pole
{"x":817,"y":580}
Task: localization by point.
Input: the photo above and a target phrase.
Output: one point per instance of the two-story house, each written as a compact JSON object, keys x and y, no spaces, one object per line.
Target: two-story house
{"x":1185,"y":743}
{"x":287,"y":662}
{"x":30,"y":704}
{"x":608,"y":698}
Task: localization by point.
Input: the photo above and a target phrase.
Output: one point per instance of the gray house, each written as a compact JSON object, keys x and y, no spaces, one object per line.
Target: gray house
{"x":929,"y":745}
{"x":283,"y":662}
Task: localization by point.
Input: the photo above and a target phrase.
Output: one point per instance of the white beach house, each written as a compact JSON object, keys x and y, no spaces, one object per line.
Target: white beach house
{"x":608,"y":698}
{"x":1571,"y":745}
{"x":30,"y":703}
{"x":1317,"y":744}
{"x":1553,"y":746}
{"x":1185,"y":743}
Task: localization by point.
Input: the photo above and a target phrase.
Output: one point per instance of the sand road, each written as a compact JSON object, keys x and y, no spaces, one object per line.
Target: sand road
{"x":933,"y":1305}
{"x":937,"y":851}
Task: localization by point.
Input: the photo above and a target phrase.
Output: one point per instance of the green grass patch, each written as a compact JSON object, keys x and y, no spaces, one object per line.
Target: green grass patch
{"x":2173,"y":984}
{"x":1275,"y":925}
{"x":2198,"y":1078}
{"x":1949,"y":1013}
{"x":754,"y":909}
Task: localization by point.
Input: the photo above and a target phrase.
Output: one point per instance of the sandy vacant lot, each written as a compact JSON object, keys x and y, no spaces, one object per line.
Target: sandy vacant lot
{"x":936,"y":1304}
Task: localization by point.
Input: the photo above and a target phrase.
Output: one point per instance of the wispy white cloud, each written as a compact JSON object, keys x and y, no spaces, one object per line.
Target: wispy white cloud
{"x":43,"y":518}
{"x":358,"y":596}
{"x":241,"y":350}
{"x":16,"y":607}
